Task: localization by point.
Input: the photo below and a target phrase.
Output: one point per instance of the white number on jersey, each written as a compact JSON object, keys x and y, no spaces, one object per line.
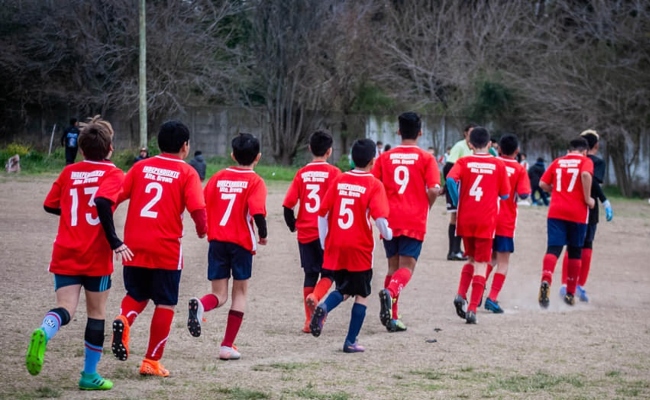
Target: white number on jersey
{"x":313,"y":194}
{"x":476,"y":191}
{"x":146,"y":210}
{"x":231,"y":200}
{"x":74,"y":207}
{"x":345,"y":211}
{"x":574,"y":177}
{"x":401,"y":177}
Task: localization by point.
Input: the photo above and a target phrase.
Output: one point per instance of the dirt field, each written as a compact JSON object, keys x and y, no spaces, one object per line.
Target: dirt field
{"x":591,"y":351}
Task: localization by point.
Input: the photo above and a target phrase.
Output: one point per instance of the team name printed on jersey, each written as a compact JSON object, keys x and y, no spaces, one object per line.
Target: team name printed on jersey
{"x":314,"y":176}
{"x":159,"y":174}
{"x":346,"y":189}
{"x":232,"y":186}
{"x":79,"y":178}
{"x":404,"y":158}
{"x":481,"y":168}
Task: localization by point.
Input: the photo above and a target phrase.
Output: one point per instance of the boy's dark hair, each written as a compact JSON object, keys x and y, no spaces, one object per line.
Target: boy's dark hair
{"x":578,"y":144}
{"x":245,"y":147}
{"x":479,"y":137}
{"x":591,"y":137}
{"x":197,"y":153}
{"x":319,"y":142}
{"x":508,"y":144}
{"x":363,"y":151}
{"x":172,"y":135}
{"x":410,"y":125}
{"x":73,"y":121}
{"x":468,"y":127}
{"x":95,"y":138}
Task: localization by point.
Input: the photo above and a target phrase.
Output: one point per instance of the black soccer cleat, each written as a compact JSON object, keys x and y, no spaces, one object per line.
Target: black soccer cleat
{"x":544,"y":289}
{"x":386,"y":304}
{"x":461,"y":305}
{"x":471,"y":317}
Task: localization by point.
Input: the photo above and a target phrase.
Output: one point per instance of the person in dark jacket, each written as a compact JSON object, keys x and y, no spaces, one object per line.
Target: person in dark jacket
{"x":69,"y":141}
{"x":535,"y":172}
{"x":199,"y":164}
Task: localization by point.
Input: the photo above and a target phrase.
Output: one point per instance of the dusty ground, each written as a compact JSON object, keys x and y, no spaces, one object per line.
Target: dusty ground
{"x":596,"y":350}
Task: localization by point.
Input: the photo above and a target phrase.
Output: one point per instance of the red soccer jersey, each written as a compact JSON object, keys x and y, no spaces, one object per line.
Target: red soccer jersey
{"x":520,"y":185}
{"x":160,"y":189}
{"x":234,"y":195}
{"x":483,"y":179}
{"x":567,"y":199}
{"x":353,"y":198}
{"x":309,"y":187}
{"x":407,"y":172}
{"x":80,"y":247}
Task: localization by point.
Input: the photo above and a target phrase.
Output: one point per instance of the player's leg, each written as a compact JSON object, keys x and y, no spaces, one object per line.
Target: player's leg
{"x":455,"y":253}
{"x":333,"y":299}
{"x":362,"y":289}
{"x":67,"y":289}
{"x":136,"y":282}
{"x":556,"y":239}
{"x":242,"y":266}
{"x":311,"y":261}
{"x":502,"y":248}
{"x":482,"y":251}
{"x":576,"y":238}
{"x":587,"y":251}
{"x":466,"y":275}
{"x":96,"y":290}
{"x":386,"y":297}
{"x":408,"y":250}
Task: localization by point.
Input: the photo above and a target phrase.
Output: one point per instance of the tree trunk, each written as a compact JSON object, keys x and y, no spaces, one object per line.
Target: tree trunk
{"x":617,"y":148}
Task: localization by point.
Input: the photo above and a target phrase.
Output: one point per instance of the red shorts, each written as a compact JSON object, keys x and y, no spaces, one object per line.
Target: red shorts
{"x":480,"y":249}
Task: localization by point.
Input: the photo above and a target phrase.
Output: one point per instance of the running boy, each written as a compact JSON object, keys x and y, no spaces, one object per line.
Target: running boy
{"x":84,"y":196}
{"x":160,"y":189}
{"x":504,"y":243}
{"x":346,"y":235}
{"x":412,"y":182}
{"x":483,"y":180}
{"x":236,"y":197}
{"x":309,"y":187}
{"x":569,"y":179}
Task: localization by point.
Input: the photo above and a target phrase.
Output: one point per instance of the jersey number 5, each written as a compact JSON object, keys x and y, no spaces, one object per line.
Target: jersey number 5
{"x":91,"y":190}
{"x":346,"y":218}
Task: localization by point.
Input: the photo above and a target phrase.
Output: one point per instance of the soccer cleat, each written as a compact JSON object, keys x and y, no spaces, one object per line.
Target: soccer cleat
{"x":471,"y":317}
{"x":461,"y":306}
{"x":120,"y":341}
{"x":195,"y":308}
{"x":456,"y":257}
{"x":386,"y":307}
{"x":153,"y":368}
{"x":543,"y":294}
{"x":229,"y":353}
{"x":569,"y":299}
{"x":396,"y":325}
{"x":582,"y":294}
{"x":311,"y":302}
{"x":36,"y":352}
{"x":562,"y":291}
{"x":493,"y":306}
{"x":353,"y":348}
{"x":94,"y":382}
{"x":317,"y":321}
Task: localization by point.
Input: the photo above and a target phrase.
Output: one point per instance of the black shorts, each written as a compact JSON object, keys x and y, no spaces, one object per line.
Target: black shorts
{"x":353,"y":283}
{"x":591,"y":233}
{"x":90,"y":283}
{"x":225,"y":257}
{"x":159,"y":285}
{"x":311,"y":256}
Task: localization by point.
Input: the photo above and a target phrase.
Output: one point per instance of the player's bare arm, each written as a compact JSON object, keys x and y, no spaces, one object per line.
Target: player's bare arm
{"x":586,"y":178}
{"x":432,"y":194}
{"x":545,"y":186}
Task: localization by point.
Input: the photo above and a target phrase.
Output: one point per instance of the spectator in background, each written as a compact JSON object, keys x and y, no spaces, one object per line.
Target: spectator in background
{"x":199,"y":164}
{"x":535,"y":173}
{"x":144,"y":153}
{"x":523,"y":160}
{"x":380,"y":147}
{"x":69,"y":141}
{"x":494,"y":147}
{"x":387,"y":147}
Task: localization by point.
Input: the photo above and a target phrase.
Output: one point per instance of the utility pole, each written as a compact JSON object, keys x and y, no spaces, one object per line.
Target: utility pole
{"x":142,"y":73}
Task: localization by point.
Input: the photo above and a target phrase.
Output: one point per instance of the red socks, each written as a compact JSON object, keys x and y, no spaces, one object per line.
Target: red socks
{"x":131,"y":308}
{"x":235,"y":319}
{"x":322,"y":287}
{"x":586,"y":265}
{"x":398,"y":281}
{"x":210,"y":302}
{"x":466,"y":275}
{"x":478,"y":284}
{"x":161,"y":324}
{"x":565,"y":267}
{"x":306,"y":291}
{"x":497,"y":284}
{"x":573,"y":270}
{"x":548,"y":267}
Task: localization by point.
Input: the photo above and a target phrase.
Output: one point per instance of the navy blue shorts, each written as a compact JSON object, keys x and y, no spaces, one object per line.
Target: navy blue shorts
{"x":353,"y":283}
{"x":565,"y":233}
{"x":225,"y":257}
{"x":403,"y":246}
{"x":159,"y":285}
{"x":311,"y":256}
{"x":503,"y":244}
{"x":90,"y":283}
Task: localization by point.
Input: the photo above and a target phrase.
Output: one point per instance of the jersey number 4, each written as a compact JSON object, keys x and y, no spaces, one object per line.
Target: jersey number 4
{"x":476,"y":191}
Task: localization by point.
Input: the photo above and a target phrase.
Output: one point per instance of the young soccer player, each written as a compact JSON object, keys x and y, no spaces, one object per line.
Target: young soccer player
{"x":569,"y":178}
{"x":160,"y":188}
{"x":346,"y":236}
{"x":483,"y":181}
{"x":503,"y":243}
{"x":591,"y":137}
{"x":309,"y":187}
{"x":236,"y":198}
{"x":84,"y":196}
{"x":412,"y":182}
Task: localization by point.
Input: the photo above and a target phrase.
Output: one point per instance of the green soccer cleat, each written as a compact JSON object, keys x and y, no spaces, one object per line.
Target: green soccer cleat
{"x":36,"y":352}
{"x":396,"y":325}
{"x":94,"y":382}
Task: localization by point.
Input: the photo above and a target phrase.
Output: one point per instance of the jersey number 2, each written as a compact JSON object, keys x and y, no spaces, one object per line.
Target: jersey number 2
{"x":146,"y":210}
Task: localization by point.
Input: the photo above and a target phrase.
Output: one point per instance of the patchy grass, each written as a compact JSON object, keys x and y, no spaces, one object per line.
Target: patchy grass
{"x":238,"y":393}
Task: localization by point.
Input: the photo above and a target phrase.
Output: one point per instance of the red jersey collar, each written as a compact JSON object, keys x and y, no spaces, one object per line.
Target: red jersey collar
{"x":170,"y":157}
{"x":240,"y":170}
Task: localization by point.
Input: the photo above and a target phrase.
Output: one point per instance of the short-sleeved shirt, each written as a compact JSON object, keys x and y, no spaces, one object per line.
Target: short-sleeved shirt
{"x":459,"y":150}
{"x":483,"y":179}
{"x":309,"y":187}
{"x":520,"y":185}
{"x":351,"y":201}
{"x":160,"y":189}
{"x":407,"y":172}
{"x":567,"y":198}
{"x":80,"y":247}
{"x":233,"y":196}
